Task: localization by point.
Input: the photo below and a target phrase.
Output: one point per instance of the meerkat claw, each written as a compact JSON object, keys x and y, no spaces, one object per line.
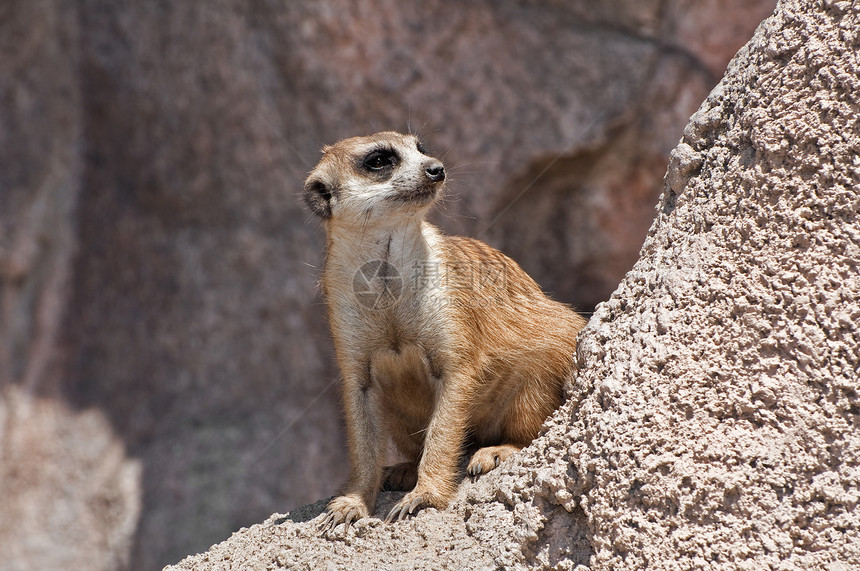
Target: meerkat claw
{"x":415,"y":504}
{"x":405,"y":508}
{"x":327,"y":524}
{"x":398,"y":513}
{"x":392,"y":515}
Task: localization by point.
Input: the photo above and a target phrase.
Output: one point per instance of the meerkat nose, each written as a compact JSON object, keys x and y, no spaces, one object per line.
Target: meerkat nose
{"x":435,"y":172}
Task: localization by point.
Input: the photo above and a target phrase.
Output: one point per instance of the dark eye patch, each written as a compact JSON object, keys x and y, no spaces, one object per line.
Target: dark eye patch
{"x":421,"y":148}
{"x":380,"y":159}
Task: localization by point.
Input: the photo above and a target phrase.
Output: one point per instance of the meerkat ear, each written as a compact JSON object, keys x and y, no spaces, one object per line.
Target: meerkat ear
{"x":319,"y":197}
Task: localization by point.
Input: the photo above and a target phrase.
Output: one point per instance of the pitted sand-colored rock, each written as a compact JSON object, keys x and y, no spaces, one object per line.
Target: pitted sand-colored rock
{"x":714,"y":423}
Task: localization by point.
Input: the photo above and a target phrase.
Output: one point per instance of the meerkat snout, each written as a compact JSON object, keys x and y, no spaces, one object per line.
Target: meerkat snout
{"x":435,"y":172}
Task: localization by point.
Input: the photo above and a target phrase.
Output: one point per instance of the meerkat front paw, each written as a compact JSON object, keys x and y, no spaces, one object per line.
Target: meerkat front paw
{"x":345,"y":510}
{"x":414,"y":501}
{"x":401,"y":476}
{"x":485,"y":459}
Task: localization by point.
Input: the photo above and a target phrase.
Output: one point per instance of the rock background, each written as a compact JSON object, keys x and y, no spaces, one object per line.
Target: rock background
{"x":165,"y":368}
{"x":714,"y":423}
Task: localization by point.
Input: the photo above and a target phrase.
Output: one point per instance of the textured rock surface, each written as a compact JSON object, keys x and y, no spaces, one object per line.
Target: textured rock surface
{"x":715,"y":421}
{"x":158,"y":271}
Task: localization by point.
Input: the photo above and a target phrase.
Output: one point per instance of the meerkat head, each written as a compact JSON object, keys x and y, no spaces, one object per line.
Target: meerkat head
{"x":371,"y":178}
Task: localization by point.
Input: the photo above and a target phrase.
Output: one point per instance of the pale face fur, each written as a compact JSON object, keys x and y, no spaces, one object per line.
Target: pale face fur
{"x":456,"y":360}
{"x":381,"y":179}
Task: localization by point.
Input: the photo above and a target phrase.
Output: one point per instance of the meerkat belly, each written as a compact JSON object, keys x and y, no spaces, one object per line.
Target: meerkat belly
{"x":406,"y":385}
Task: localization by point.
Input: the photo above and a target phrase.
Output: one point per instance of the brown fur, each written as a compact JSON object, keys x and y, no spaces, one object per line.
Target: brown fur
{"x":472,"y":353}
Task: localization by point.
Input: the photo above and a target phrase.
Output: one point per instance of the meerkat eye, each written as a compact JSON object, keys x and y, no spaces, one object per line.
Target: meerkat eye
{"x":380,"y":159}
{"x":421,"y":148}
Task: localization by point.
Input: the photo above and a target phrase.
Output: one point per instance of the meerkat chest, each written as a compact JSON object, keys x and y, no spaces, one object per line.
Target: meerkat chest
{"x":386,"y":292}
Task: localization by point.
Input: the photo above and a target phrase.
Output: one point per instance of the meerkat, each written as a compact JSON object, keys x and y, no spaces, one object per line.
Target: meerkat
{"x":442,"y":342}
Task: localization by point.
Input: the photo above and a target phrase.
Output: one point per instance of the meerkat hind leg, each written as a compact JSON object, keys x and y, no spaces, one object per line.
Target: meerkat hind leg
{"x":401,"y":476}
{"x":489,"y":457}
